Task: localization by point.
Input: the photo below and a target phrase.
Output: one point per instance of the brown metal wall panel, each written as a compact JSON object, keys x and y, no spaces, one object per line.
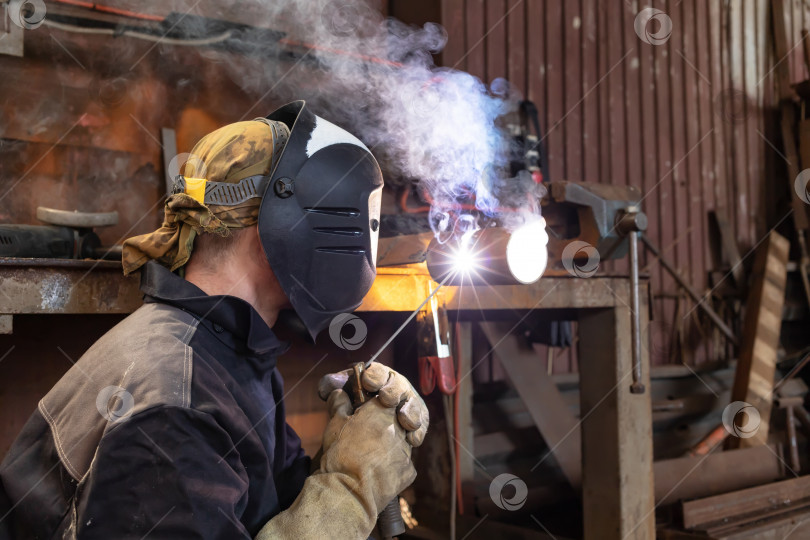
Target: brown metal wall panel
{"x":688,"y":121}
{"x":590,"y":104}
{"x":497,"y":54}
{"x":572,"y":53}
{"x":555,"y":89}
{"x":453,"y":20}
{"x":752,"y":77}
{"x":475,"y":40}
{"x":662,"y":186}
{"x":516,"y":45}
{"x":693,"y":182}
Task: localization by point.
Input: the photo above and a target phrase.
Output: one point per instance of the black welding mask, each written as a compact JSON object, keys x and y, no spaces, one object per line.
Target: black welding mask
{"x":320,"y":216}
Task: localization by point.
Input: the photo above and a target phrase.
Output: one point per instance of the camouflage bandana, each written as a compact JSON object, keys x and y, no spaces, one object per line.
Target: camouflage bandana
{"x":229,"y":154}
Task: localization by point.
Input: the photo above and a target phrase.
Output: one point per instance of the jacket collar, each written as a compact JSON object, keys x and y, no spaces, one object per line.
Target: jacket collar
{"x":231,"y":319}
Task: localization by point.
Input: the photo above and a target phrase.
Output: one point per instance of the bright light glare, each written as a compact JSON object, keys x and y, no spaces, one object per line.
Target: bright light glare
{"x":527,"y":252}
{"x":464,"y":260}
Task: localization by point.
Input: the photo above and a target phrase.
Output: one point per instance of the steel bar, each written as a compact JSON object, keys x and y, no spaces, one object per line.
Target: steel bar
{"x":716,"y":319}
{"x":403,"y":325}
{"x":637,"y":387}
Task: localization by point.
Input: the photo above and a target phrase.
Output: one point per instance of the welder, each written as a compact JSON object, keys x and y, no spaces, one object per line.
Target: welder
{"x":172,"y":425}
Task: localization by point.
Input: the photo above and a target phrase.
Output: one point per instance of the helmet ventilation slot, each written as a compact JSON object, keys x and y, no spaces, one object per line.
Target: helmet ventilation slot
{"x":334,"y":211}
{"x":340,"y":231}
{"x":342,"y":250}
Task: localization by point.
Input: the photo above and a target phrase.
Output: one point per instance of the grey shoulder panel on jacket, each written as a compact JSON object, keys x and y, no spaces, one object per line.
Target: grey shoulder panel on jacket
{"x":143,"y":362}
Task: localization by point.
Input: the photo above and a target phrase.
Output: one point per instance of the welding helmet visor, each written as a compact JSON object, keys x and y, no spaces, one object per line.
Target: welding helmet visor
{"x":319,"y":217}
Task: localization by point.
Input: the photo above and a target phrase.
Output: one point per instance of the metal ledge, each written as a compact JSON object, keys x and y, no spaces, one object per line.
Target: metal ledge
{"x":62,"y":286}
{"x":59,"y":286}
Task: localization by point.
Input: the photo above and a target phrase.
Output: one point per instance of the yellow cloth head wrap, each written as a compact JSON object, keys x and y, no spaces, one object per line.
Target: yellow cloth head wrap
{"x":229,"y":154}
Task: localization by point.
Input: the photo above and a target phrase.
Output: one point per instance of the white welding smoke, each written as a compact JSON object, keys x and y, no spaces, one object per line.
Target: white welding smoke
{"x":376,"y":77}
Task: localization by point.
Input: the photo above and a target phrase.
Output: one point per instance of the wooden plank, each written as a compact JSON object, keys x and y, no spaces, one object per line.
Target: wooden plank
{"x":548,"y":409}
{"x":753,"y":382}
{"x":719,"y":472}
{"x":783,"y":523}
{"x":617,"y":455}
{"x":703,"y":512}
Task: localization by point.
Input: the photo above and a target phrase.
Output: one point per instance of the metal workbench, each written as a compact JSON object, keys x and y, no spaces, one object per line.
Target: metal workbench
{"x":616,"y":425}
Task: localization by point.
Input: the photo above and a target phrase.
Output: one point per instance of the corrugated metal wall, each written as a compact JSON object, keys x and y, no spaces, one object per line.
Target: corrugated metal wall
{"x":691,"y":122}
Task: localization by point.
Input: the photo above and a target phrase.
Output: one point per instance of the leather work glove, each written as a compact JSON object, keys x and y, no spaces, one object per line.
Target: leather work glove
{"x":366,"y":462}
{"x":393,"y":391}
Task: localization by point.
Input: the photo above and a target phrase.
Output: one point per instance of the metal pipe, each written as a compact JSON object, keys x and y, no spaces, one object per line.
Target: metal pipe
{"x":792,"y":442}
{"x":635,"y":317}
{"x":721,"y":325}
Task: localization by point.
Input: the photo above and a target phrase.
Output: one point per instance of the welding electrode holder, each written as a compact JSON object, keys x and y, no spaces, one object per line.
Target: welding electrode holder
{"x":390,"y":519}
{"x":631,"y":223}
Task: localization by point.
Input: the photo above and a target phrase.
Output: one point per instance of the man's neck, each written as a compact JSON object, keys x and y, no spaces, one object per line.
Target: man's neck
{"x":236,"y":280}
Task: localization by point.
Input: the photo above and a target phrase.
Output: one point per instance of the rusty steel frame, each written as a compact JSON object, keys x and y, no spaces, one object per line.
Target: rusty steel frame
{"x":59,"y":286}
